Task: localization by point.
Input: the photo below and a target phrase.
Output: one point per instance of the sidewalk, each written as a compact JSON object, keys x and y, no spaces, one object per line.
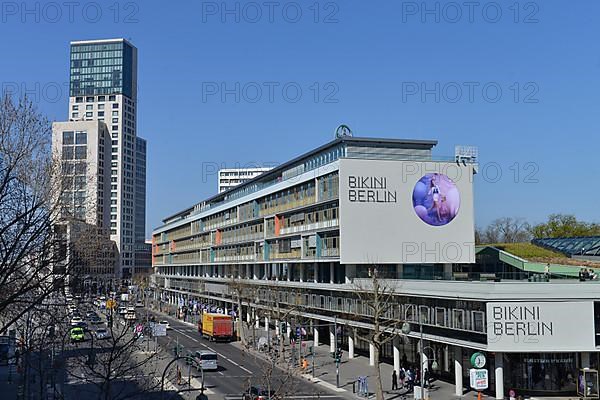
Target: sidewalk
{"x":349,"y":370}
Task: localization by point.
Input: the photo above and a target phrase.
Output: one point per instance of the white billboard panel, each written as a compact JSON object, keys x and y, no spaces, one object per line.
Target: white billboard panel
{"x":406,"y":212}
{"x":540,"y":326}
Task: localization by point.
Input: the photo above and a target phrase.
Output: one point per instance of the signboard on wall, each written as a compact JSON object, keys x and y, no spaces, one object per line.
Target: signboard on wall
{"x":540,"y":326}
{"x":406,"y":212}
{"x":478,"y":378}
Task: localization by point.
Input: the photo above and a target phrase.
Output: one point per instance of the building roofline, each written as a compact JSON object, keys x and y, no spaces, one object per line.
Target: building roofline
{"x":96,"y":41}
{"x":416,"y":143}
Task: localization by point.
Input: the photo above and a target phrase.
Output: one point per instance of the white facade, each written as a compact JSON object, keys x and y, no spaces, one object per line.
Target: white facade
{"x":232,"y":177}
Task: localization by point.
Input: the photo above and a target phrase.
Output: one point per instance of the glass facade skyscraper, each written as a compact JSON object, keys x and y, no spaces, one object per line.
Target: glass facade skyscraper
{"x":103,"y":81}
{"x":102,"y":68}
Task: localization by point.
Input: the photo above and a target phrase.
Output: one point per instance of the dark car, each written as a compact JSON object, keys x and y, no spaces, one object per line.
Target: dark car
{"x":257,"y":393}
{"x":95,"y":320}
{"x":81,"y":325}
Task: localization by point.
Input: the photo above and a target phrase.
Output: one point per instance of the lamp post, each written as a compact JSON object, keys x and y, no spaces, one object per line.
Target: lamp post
{"x":406,"y":329}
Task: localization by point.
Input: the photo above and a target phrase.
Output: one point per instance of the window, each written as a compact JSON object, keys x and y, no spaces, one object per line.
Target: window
{"x":115,"y":127}
{"x":80,"y":152}
{"x":75,"y":107}
{"x":78,"y":99}
{"x":81,"y":137}
{"x":89,"y":99}
{"x":68,"y":153}
{"x":80,"y":168}
{"x":115,"y":120}
{"x":68,"y":137}
{"x":75,"y":115}
{"x":89,"y":107}
{"x":112,"y":98}
{"x":115,"y":113}
{"x":101,"y":113}
{"x":115,"y":105}
{"x":101,"y":106}
{"x":89,"y":114}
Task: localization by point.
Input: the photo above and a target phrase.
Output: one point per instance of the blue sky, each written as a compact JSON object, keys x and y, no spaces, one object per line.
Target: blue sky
{"x":388,"y":68}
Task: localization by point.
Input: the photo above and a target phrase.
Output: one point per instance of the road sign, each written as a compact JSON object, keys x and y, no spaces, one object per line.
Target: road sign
{"x":159,"y":330}
{"x":478,"y":378}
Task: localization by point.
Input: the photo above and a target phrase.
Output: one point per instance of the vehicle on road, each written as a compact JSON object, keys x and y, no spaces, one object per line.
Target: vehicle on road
{"x":139,"y":304}
{"x":166,"y":324}
{"x":122,"y":310}
{"x":76,"y":320}
{"x":256,"y":393}
{"x":207,"y":360}
{"x":216,"y":327}
{"x":95,"y":320}
{"x":130,"y":316}
{"x":76,"y":334}
{"x":102,"y":334}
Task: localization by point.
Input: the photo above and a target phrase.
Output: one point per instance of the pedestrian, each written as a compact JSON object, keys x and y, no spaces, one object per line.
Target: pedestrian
{"x":394,"y":380}
{"x":402,"y":375}
{"x":410,"y":379}
{"x":426,"y":377}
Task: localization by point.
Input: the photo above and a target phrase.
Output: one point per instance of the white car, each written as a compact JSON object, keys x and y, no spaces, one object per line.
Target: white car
{"x":166,"y":324}
{"x":76,"y":320}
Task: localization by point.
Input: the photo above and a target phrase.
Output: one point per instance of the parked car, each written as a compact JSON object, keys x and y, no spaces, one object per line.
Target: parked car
{"x":102,"y":334}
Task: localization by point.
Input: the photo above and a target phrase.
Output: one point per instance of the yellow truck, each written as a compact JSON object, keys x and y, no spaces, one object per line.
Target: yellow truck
{"x":216,"y":327}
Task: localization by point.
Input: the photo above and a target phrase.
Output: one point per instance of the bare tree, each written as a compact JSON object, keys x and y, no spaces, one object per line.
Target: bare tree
{"x":381,"y":300}
{"x":505,"y":230}
{"x":28,"y":247}
{"x":122,"y":356}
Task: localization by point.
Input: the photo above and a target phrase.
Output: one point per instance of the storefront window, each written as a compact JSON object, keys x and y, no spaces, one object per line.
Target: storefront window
{"x":539,"y":373}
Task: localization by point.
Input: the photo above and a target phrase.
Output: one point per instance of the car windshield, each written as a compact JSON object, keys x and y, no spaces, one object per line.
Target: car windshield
{"x":208,"y":356}
{"x":101,"y":331}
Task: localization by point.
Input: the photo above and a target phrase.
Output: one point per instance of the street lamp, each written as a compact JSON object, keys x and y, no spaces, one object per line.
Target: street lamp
{"x":406,"y":329}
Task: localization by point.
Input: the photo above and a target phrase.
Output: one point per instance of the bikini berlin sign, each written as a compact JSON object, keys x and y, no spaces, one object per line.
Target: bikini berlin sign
{"x":406,"y":212}
{"x":540,"y":326}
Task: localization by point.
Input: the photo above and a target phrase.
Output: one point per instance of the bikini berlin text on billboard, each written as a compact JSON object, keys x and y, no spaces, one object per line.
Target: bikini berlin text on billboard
{"x":406,"y":212}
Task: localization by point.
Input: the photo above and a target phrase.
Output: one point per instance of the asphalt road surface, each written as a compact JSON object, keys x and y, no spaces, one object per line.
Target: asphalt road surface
{"x":238,"y":369}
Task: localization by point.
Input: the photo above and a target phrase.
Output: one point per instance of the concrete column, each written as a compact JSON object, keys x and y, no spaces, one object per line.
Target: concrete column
{"x":225,"y":310}
{"x":248,"y":273}
{"x":351,"y":346}
{"x":301,"y":269}
{"x":447,"y":271}
{"x":256,"y":321}
{"x":266,"y":324}
{"x":316,"y":277}
{"x":315,"y":336}
{"x":396,"y":344}
{"x":458,"y":377}
{"x":585,"y":360}
{"x":331,"y":339}
{"x":248,"y":316}
{"x":331,"y":273}
{"x":289,"y":272}
{"x":288,"y":329}
{"x":499,"y":376}
{"x":254,"y":268}
{"x":371,"y":354}
{"x":276,"y":327}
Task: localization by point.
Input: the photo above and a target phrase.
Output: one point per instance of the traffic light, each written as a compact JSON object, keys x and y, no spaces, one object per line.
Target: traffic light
{"x":338,"y":355}
{"x":177,"y":349}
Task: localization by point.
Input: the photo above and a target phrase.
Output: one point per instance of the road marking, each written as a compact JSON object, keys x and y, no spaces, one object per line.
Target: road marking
{"x":222,"y":374}
{"x":213,"y":350}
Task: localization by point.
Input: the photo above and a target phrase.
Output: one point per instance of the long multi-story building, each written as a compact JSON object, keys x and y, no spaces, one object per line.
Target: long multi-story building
{"x":103,"y":90}
{"x":310,"y":237}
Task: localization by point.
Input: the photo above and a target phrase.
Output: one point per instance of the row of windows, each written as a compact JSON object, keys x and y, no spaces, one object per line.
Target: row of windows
{"x":96,"y":54}
{"x":78,"y":48}
{"x":90,"y":99}
{"x":70,"y":137}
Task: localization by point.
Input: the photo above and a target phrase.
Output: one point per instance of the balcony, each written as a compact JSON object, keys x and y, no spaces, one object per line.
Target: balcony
{"x":333,"y":223}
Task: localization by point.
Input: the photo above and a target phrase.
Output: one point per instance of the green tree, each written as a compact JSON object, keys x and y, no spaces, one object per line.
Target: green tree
{"x":564,"y":225}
